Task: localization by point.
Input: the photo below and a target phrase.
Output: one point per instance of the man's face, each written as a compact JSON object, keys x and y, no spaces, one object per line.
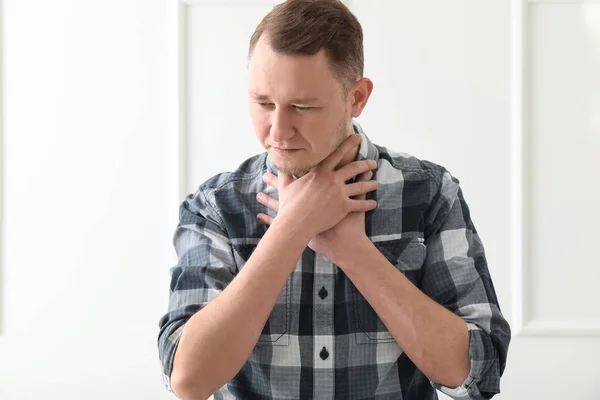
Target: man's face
{"x":296,"y":104}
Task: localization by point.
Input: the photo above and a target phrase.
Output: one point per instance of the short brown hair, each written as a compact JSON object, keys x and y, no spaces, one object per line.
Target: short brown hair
{"x":307,"y":26}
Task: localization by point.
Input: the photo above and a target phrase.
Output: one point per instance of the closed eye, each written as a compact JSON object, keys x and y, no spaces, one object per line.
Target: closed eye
{"x":299,"y":108}
{"x":303,"y":108}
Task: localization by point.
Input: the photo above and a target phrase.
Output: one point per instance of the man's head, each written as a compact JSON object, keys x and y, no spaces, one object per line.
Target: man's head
{"x":305,"y":81}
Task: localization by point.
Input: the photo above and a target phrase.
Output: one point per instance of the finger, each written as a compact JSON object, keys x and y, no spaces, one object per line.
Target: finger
{"x":268,"y":201}
{"x":270,"y":179}
{"x":361,"y":178}
{"x":362,"y":205}
{"x":265,"y":219}
{"x":284,"y":179}
{"x":344,"y":148}
{"x":361,"y":188}
{"x":355,"y":168}
{"x":365,"y":176}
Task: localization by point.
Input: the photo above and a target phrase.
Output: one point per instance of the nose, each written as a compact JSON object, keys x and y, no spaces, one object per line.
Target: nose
{"x":282,"y":128}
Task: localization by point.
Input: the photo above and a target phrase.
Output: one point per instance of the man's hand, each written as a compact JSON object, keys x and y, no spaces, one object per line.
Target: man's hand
{"x":333,"y":210}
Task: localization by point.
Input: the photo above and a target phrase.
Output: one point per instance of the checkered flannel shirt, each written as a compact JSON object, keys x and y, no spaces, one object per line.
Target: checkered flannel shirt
{"x":323,"y":340}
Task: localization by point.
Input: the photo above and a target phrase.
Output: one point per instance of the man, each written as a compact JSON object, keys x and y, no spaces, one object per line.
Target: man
{"x":327,"y":267}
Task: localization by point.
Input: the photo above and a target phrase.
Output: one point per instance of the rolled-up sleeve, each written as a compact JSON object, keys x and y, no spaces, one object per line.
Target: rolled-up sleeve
{"x":205,"y":266}
{"x":455,"y":274}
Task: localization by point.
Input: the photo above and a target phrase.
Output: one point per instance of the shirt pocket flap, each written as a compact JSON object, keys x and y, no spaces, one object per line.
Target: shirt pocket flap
{"x":407,"y":254}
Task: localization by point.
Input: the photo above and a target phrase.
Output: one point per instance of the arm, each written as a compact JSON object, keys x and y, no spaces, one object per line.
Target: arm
{"x":456,"y":276}
{"x":214,"y":343}
{"x":453,"y":331}
{"x":435,"y":339}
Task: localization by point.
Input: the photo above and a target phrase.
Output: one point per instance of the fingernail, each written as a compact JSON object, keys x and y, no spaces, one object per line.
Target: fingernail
{"x":259,"y":196}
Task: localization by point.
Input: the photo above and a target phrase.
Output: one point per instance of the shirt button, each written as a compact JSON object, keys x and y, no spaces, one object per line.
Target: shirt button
{"x":323,"y":292}
{"x":324,"y":354}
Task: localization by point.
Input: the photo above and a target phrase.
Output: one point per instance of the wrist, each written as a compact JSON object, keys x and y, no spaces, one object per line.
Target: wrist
{"x":292,"y":229}
{"x":355,"y":253}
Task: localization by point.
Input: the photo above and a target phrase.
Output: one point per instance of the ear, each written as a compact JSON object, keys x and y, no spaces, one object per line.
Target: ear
{"x":359,"y":95}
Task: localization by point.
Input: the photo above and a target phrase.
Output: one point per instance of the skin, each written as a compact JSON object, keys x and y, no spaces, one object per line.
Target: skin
{"x":296,"y":102}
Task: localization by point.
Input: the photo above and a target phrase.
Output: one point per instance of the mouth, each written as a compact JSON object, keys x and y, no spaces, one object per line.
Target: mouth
{"x":286,"y":151}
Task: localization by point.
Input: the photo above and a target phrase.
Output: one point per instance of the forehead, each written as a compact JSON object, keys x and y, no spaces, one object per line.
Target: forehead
{"x":284,"y":75}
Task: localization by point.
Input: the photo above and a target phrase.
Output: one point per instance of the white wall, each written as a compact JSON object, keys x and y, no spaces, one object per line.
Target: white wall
{"x":85,"y":221}
{"x":90,"y":177}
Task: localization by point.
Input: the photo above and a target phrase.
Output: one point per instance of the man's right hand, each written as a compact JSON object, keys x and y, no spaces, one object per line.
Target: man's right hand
{"x":320,"y":199}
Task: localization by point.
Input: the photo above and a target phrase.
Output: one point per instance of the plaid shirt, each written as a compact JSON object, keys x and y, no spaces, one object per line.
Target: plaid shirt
{"x":323,"y":340}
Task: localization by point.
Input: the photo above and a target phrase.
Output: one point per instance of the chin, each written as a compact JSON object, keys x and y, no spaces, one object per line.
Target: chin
{"x":295,"y":170}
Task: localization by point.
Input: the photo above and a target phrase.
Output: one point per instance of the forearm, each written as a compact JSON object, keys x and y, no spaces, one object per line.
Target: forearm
{"x":435,"y":339}
{"x":217,"y":340}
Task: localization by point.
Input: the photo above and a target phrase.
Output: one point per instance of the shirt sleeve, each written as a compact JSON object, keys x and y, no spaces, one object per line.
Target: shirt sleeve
{"x":455,"y":274}
{"x":205,"y":266}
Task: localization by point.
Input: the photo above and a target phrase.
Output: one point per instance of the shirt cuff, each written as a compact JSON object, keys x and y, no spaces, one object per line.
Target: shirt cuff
{"x":483,"y":380}
{"x":168,"y":354}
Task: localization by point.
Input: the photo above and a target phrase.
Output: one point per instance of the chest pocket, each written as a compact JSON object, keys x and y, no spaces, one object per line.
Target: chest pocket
{"x":276,"y":329}
{"x":406,"y":254}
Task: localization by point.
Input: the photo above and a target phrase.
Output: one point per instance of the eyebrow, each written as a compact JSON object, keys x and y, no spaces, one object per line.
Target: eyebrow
{"x":307,"y":100}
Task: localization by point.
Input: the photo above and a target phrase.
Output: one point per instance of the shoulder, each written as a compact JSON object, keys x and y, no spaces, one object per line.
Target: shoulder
{"x":226,"y":188}
{"x":410,"y":167}
{"x":249,"y":170}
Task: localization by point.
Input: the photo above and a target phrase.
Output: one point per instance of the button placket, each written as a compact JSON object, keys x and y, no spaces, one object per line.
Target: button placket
{"x":324,"y":277}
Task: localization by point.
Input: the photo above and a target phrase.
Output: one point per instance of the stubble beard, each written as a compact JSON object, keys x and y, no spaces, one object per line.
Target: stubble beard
{"x":301,"y":170}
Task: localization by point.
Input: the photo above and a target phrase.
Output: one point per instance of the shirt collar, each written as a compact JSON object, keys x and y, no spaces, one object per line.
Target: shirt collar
{"x":367,"y":150}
